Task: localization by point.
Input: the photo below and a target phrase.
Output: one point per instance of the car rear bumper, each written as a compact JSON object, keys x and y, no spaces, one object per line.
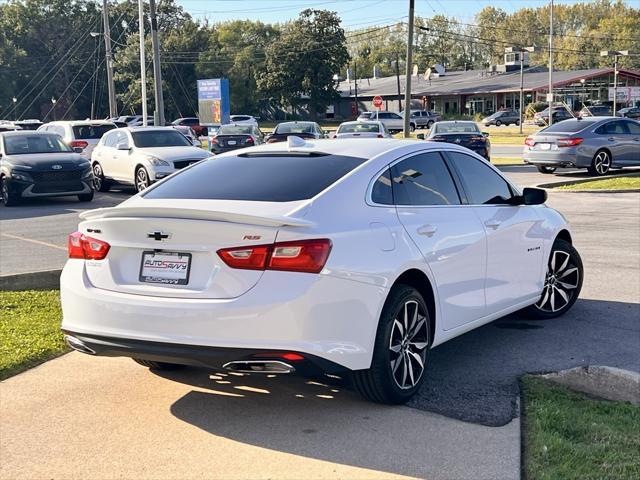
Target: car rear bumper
{"x":319,"y":315}
{"x":560,"y":158}
{"x":196,"y":355}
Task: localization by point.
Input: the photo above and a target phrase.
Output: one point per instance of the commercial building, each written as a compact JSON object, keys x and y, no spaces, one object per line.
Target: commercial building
{"x":482,"y":91}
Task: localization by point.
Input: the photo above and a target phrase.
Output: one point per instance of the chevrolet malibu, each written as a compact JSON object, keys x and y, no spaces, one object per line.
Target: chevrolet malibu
{"x":347,"y":257}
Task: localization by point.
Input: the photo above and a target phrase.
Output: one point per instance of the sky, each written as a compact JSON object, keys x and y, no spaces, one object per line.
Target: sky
{"x":355,"y":14}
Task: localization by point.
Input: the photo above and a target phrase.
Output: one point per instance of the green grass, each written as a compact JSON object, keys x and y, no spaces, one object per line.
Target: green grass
{"x":568,"y":435}
{"x":619,"y":183}
{"x":29,"y":329}
{"x":507,"y":161}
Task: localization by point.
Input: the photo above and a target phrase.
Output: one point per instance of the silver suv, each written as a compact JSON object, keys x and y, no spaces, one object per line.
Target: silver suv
{"x":425,"y":118}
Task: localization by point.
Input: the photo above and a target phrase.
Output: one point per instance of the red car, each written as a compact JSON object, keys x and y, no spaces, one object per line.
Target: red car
{"x":193,"y":122}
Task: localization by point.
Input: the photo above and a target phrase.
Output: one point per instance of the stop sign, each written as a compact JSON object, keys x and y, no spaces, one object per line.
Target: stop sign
{"x":377,"y":101}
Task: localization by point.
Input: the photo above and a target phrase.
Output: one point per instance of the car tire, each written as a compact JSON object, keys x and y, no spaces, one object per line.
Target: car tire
{"x":401,"y":349}
{"x":157,"y":365}
{"x":563,"y":282}
{"x":100,"y":183}
{"x":517,"y":123}
{"x":498,"y":123}
{"x":142,"y":181}
{"x":429,"y":124}
{"x":7,"y":197}
{"x":601,"y":163}
{"x":546,"y":170}
{"x":412,"y":127}
{"x":85,"y":197}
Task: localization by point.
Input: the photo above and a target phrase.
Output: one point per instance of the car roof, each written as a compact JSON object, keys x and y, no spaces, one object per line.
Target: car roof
{"x":24,"y":133}
{"x":453,"y":122}
{"x":148,"y":128}
{"x":361,"y":122}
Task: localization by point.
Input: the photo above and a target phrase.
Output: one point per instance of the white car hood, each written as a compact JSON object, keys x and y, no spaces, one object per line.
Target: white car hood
{"x":172,"y":154}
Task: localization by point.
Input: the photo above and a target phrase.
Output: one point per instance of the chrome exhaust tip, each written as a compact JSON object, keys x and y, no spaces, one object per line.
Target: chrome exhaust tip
{"x":78,"y":345}
{"x":259,"y":366}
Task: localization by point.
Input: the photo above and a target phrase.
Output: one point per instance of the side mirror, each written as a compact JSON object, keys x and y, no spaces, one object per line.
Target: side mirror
{"x":486,"y":134}
{"x":78,"y":149}
{"x":420,"y":136}
{"x":534,"y":196}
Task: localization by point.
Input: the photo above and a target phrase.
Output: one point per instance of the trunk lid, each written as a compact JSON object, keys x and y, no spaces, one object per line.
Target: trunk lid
{"x":179,"y":244}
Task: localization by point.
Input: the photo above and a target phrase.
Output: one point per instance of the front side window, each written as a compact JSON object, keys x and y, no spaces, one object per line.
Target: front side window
{"x":612,"y":128}
{"x":28,"y":144}
{"x":482,"y":184}
{"x":110,"y":140}
{"x":423,"y":179}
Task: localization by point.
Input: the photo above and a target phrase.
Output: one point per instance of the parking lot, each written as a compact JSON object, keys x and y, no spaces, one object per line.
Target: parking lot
{"x":476,"y":376}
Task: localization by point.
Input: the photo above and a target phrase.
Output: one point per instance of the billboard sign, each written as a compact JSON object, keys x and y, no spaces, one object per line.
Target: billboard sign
{"x":213,"y":101}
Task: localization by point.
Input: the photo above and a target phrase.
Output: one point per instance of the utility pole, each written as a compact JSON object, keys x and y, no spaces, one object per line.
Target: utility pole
{"x":113,"y":109}
{"x":407,"y":91}
{"x":355,"y":80}
{"x":521,"y":51}
{"x":550,"y":94}
{"x":398,"y":82}
{"x":158,"y":116}
{"x":615,"y":54}
{"x":143,"y":64}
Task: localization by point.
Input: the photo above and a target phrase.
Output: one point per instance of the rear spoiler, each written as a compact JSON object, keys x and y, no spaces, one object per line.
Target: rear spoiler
{"x":193,"y":214}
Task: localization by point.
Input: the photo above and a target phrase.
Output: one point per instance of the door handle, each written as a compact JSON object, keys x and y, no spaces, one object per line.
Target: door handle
{"x":611,"y":139}
{"x":493,"y":223}
{"x":428,"y":230}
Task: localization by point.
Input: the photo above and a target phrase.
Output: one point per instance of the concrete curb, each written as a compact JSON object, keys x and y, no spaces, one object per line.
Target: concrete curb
{"x":586,"y":180}
{"x":605,"y":382}
{"x":44,"y":280}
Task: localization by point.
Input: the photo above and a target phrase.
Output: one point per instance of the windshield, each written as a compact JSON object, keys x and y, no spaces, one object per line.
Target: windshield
{"x":568,"y":126}
{"x":235,"y":130}
{"x":159,"y":138}
{"x":359,"y":128}
{"x":91,"y":132}
{"x":27,"y":144}
{"x":294,"y":128}
{"x":456,"y":128}
{"x":256,"y":177}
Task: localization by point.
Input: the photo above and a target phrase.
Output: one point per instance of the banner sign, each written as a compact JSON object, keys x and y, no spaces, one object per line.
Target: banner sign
{"x":213,"y":101}
{"x":626,"y":94}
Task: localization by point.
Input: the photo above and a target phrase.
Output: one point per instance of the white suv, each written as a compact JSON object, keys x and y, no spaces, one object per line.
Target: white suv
{"x":141,"y":155}
{"x":84,"y":134}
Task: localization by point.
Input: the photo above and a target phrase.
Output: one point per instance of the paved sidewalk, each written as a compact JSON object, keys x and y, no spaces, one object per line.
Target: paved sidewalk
{"x":84,"y":417}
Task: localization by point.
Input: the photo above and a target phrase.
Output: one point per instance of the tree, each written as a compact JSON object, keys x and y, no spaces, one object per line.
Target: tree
{"x":304,"y":60}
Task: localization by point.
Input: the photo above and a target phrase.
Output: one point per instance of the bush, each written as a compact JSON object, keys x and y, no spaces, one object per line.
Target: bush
{"x":534,"y":108}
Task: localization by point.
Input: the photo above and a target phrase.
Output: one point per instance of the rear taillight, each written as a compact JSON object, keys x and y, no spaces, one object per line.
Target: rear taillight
{"x":87,"y":248}
{"x":214,"y":140}
{"x":530,"y":142}
{"x":307,"y":256}
{"x":273,"y":140}
{"x":249,"y":141}
{"x":569,"y":142}
{"x":79,"y":144}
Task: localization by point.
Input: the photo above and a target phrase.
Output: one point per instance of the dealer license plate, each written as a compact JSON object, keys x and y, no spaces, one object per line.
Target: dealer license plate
{"x":169,"y":268}
{"x":545,"y":146}
{"x":231,"y":142}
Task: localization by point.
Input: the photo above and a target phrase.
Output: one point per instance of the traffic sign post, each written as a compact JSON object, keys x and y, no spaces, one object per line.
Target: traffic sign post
{"x":377,"y":102}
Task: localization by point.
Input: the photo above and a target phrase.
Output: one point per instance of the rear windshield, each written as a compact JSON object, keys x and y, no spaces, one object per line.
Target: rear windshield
{"x":91,"y":132}
{"x":263,"y":178}
{"x":240,"y":118}
{"x":359,"y":127}
{"x":568,"y":126}
{"x":159,"y":138}
{"x":294,"y":128}
{"x":235,"y":130}
{"x":456,"y":128}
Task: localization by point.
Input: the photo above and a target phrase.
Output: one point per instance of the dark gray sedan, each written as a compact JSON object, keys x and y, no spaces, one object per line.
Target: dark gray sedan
{"x":502,"y":117}
{"x":595,"y":143}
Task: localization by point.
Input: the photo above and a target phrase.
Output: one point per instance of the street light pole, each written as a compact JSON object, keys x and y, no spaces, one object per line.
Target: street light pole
{"x":521,"y":51}
{"x":157,"y":73}
{"x":143,"y":64}
{"x":109,"y":58}
{"x":615,"y":54}
{"x":407,"y":91}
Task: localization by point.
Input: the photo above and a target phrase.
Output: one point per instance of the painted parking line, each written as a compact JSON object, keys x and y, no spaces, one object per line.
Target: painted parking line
{"x":31,"y":240}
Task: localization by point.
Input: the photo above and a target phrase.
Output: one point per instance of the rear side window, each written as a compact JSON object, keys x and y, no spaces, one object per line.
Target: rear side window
{"x":423,"y":180}
{"x":381,"y":192}
{"x":91,"y":132}
{"x":260,"y":178}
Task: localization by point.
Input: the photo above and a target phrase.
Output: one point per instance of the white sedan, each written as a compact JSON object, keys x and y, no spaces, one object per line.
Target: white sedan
{"x":140,"y":156}
{"x":360,"y":129}
{"x":338,"y":256}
